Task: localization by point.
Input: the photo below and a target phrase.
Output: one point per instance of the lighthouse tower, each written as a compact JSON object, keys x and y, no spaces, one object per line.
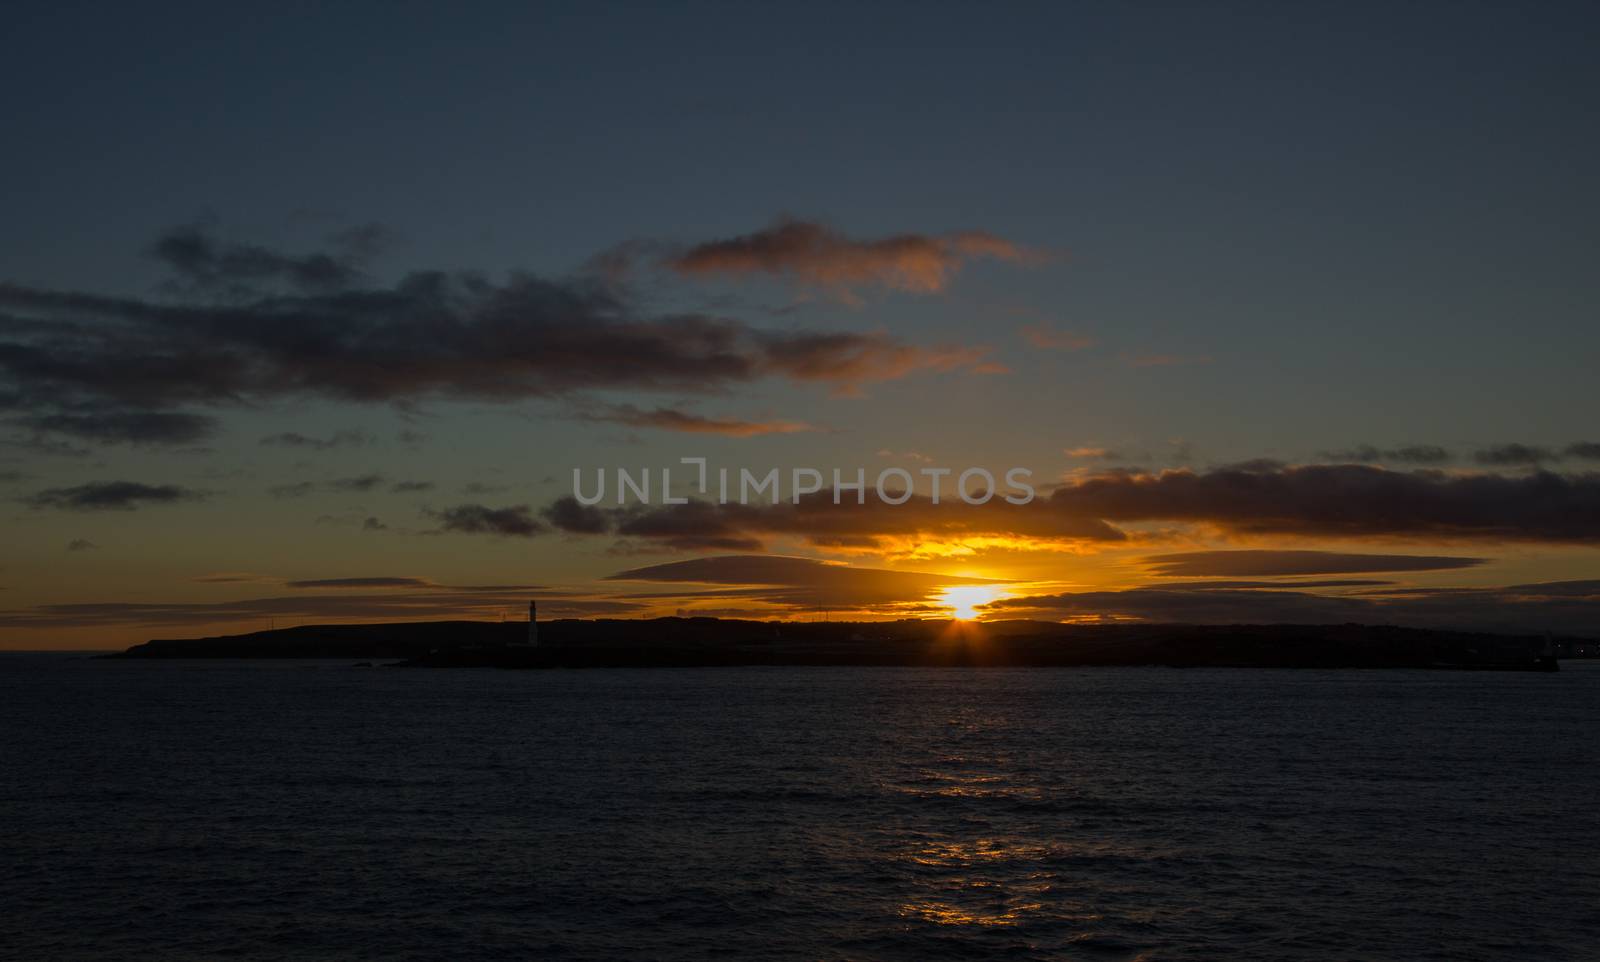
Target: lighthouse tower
{"x":533,"y":624}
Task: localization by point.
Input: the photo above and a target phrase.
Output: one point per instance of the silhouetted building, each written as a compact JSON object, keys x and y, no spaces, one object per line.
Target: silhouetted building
{"x":533,"y":628}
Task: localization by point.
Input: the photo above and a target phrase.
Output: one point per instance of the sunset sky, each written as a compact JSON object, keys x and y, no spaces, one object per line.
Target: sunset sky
{"x":1291,"y":314}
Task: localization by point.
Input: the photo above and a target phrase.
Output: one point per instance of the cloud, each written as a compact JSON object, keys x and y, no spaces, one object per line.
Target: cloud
{"x":411,"y":487}
{"x":1102,"y":454}
{"x":1284,"y":585}
{"x":123,"y":427}
{"x":1257,"y":499}
{"x":358,"y":484}
{"x":1047,"y":338}
{"x":799,"y":583}
{"x":81,"y":544}
{"x":341,"y":439}
{"x":569,"y":515}
{"x":111,"y":496}
{"x":848,"y":360}
{"x":1514,"y":454}
{"x":1510,"y":455}
{"x":232,"y":577}
{"x":146,"y":364}
{"x":780,"y":570}
{"x":360,"y":583}
{"x":361,"y":483}
{"x":704,"y":525}
{"x":671,"y":419}
{"x":40,"y":444}
{"x":1410,"y":454}
{"x":204,"y":263}
{"x":1350,"y":501}
{"x":1500,"y":455}
{"x":515,"y":521}
{"x":817,"y":256}
{"x":1571,"y":606}
{"x":1274,"y":563}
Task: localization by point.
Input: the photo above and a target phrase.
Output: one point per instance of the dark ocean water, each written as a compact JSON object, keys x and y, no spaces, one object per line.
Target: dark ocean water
{"x":278,"y":811}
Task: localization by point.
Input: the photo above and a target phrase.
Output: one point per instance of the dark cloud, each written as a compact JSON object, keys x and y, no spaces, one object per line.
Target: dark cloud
{"x":1572,"y":606}
{"x":111,"y":496}
{"x":1356,"y":501}
{"x":41,"y":444}
{"x":515,"y":521}
{"x":373,"y":524}
{"x":1506,"y":455}
{"x":1286,"y":584}
{"x":1271,"y":563}
{"x":123,"y":427}
{"x":567,"y":514}
{"x":1253,"y":466}
{"x":410,"y":487}
{"x":433,"y":335}
{"x":798,"y":583}
{"x":354,"y":485}
{"x":815,"y":255}
{"x":1584,"y":450}
{"x":1410,"y":454}
{"x":81,"y":544}
{"x":781,"y":570}
{"x":298,"y":489}
{"x":203,"y":262}
{"x":1261,"y":499}
{"x":819,"y":521}
{"x":341,"y":439}
{"x":361,"y":583}
{"x":671,"y":419}
{"x":361,"y":483}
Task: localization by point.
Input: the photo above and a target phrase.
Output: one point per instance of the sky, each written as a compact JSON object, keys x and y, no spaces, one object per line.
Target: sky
{"x":311,"y":314}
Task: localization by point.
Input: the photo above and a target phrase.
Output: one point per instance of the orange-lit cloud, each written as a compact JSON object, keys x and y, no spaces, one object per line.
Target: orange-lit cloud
{"x":1235,"y":564}
{"x":820,"y":257}
{"x":110,"y":370}
{"x":804,"y":583}
{"x":672,"y":419}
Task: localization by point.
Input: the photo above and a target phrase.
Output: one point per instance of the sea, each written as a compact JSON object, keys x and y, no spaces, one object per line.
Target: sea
{"x":320,"y":810}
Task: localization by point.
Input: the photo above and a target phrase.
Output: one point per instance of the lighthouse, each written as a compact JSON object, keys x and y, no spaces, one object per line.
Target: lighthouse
{"x":533,"y":624}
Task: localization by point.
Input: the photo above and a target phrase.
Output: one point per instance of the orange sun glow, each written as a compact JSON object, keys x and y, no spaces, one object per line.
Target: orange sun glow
{"x":964,"y":600}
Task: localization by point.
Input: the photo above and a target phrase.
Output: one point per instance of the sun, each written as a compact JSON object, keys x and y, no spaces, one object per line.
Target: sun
{"x":964,"y":600}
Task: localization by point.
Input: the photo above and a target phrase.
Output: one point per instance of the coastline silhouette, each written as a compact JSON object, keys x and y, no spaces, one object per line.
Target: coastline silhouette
{"x":703,"y":642}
